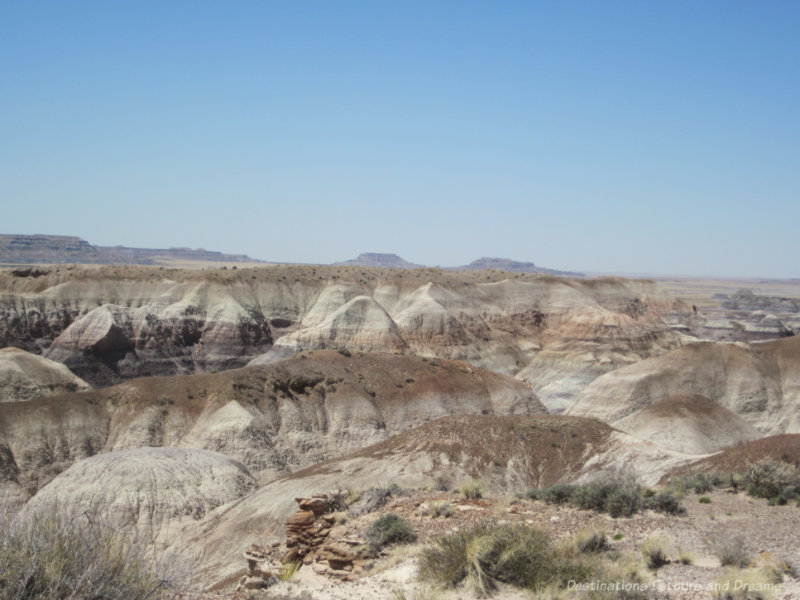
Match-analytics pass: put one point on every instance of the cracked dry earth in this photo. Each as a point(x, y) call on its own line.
point(770, 534)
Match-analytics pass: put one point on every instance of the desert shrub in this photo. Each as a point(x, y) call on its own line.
point(486, 554)
point(442, 483)
point(654, 550)
point(389, 529)
point(623, 502)
point(732, 550)
point(699, 483)
point(617, 494)
point(770, 479)
point(368, 501)
point(471, 489)
point(704, 500)
point(665, 502)
point(441, 509)
point(559, 493)
point(48, 556)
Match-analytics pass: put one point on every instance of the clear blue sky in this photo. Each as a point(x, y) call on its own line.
point(640, 136)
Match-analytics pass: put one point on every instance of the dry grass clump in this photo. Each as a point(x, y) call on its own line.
point(748, 584)
point(655, 552)
point(486, 554)
point(732, 550)
point(418, 593)
point(441, 508)
point(472, 489)
point(591, 542)
point(46, 556)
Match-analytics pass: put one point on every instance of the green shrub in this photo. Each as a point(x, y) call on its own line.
point(49, 557)
point(771, 478)
point(665, 502)
point(389, 529)
point(486, 554)
point(559, 493)
point(623, 502)
point(617, 494)
point(704, 500)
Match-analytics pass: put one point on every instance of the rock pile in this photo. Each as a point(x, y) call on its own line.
point(260, 572)
point(308, 540)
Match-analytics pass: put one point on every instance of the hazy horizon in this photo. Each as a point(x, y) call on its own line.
point(601, 137)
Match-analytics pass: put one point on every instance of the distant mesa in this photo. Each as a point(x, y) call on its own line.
point(513, 266)
point(59, 249)
point(393, 261)
point(377, 259)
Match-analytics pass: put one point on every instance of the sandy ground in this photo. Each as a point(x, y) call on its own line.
point(770, 534)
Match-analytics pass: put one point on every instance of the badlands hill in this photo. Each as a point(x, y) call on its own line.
point(156, 490)
point(507, 453)
point(112, 323)
point(753, 384)
point(690, 424)
point(24, 376)
point(275, 419)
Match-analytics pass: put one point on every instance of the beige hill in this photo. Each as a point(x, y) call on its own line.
point(760, 382)
point(688, 424)
point(275, 418)
point(112, 323)
point(24, 376)
point(510, 453)
point(155, 490)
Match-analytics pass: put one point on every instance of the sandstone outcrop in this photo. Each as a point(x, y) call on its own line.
point(274, 418)
point(758, 382)
point(24, 376)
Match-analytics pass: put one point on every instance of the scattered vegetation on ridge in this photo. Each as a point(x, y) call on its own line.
point(775, 480)
point(619, 495)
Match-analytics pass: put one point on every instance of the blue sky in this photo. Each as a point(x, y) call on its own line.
point(633, 137)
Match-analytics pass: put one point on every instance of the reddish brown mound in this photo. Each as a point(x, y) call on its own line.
point(541, 449)
point(784, 447)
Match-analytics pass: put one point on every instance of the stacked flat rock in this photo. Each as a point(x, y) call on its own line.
point(260, 573)
point(308, 528)
point(307, 534)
